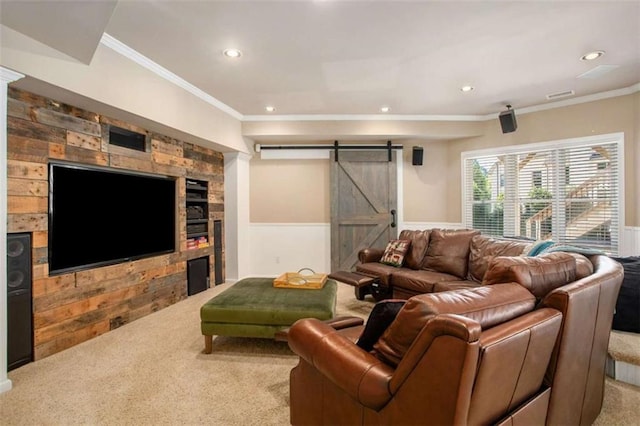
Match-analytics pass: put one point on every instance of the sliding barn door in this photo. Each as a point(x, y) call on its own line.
point(363, 204)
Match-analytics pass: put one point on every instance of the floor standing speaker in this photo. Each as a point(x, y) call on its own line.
point(19, 312)
point(217, 251)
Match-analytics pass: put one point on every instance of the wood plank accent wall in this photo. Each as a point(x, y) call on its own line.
point(71, 308)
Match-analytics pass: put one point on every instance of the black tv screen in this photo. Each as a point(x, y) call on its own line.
point(100, 216)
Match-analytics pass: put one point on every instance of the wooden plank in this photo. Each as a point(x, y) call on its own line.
point(19, 109)
point(64, 121)
point(50, 285)
point(40, 256)
point(128, 152)
point(173, 148)
point(57, 151)
point(31, 130)
point(26, 149)
point(128, 163)
point(27, 222)
point(172, 160)
point(84, 141)
point(40, 239)
point(26, 170)
point(70, 339)
point(52, 322)
point(122, 124)
point(216, 197)
point(86, 156)
point(27, 187)
point(40, 271)
point(122, 269)
point(37, 101)
point(18, 204)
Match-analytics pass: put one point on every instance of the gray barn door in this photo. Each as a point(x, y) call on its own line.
point(363, 204)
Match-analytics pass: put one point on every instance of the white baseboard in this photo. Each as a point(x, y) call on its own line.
point(5, 385)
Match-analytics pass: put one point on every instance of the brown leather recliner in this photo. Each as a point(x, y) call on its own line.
point(495, 354)
point(432, 365)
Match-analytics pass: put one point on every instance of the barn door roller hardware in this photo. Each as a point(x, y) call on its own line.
point(336, 147)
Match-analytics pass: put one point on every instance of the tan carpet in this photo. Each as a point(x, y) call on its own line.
point(152, 371)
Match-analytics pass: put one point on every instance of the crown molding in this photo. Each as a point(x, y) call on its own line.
point(7, 75)
point(147, 63)
point(363, 117)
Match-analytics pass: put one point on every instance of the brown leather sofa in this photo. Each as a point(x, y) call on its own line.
point(442, 260)
point(529, 347)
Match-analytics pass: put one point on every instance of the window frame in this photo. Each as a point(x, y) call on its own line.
point(555, 145)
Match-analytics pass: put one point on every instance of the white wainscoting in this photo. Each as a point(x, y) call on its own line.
point(288, 247)
point(630, 241)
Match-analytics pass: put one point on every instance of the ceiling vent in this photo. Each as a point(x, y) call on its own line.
point(559, 95)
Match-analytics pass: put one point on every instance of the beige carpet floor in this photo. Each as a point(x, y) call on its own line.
point(152, 371)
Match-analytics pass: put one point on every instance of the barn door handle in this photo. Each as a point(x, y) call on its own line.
point(393, 220)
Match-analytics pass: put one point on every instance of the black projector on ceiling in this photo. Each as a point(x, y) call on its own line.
point(508, 120)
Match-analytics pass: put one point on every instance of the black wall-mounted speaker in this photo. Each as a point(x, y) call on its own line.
point(508, 121)
point(416, 160)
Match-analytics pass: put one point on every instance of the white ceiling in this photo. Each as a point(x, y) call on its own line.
point(351, 57)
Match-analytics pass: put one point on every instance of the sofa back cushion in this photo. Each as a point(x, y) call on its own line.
point(483, 249)
point(488, 306)
point(419, 243)
point(539, 275)
point(448, 251)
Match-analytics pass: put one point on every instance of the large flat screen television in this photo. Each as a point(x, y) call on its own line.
point(100, 216)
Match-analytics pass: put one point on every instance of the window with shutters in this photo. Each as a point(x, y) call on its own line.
point(566, 191)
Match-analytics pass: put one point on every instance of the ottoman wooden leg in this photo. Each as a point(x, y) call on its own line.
point(208, 344)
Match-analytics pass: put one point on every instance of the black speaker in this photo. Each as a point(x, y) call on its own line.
point(508, 121)
point(417, 156)
point(19, 302)
point(197, 275)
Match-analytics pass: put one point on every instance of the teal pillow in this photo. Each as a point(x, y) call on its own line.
point(539, 247)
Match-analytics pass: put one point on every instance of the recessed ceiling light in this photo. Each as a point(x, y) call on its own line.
point(232, 53)
point(270, 108)
point(466, 88)
point(592, 55)
point(385, 109)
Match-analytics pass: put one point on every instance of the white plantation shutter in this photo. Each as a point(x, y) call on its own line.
point(567, 192)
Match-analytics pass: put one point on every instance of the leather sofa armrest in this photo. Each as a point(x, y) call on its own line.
point(361, 375)
point(370, 254)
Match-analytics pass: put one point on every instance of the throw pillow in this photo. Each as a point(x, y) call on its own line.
point(539, 275)
point(395, 252)
point(382, 314)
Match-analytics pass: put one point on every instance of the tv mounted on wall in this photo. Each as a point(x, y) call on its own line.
point(101, 216)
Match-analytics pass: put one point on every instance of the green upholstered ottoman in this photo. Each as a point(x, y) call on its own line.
point(252, 307)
